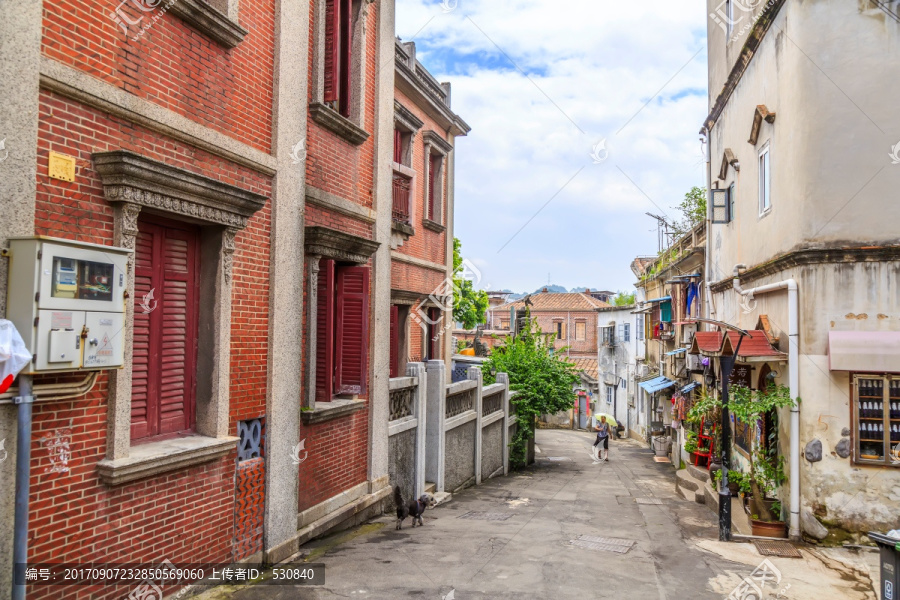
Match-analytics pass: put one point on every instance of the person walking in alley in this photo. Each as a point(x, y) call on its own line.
point(602, 443)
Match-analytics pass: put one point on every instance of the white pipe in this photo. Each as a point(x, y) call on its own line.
point(793, 379)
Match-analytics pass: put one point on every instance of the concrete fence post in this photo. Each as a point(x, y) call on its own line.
point(436, 393)
point(475, 375)
point(417, 370)
point(504, 379)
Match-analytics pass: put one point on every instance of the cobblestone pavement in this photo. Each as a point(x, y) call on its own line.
point(566, 527)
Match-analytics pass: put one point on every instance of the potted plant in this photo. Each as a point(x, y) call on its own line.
point(706, 411)
point(766, 472)
point(738, 483)
point(690, 442)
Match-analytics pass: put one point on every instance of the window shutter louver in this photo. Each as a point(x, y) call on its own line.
point(352, 324)
point(142, 413)
point(395, 341)
point(165, 338)
point(178, 339)
point(332, 49)
point(398, 146)
point(431, 188)
point(325, 331)
point(346, 47)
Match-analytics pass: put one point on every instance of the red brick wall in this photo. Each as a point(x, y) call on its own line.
point(186, 516)
point(546, 321)
point(338, 449)
point(173, 65)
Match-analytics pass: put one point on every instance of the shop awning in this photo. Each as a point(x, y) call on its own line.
point(657, 384)
point(676, 351)
point(663, 299)
point(864, 351)
point(689, 387)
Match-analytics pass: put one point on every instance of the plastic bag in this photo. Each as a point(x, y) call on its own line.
point(14, 356)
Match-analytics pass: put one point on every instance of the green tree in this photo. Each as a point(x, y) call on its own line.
point(543, 380)
point(469, 304)
point(623, 299)
point(692, 209)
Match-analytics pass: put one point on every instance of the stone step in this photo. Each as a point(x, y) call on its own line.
point(688, 487)
point(698, 473)
point(430, 487)
point(442, 498)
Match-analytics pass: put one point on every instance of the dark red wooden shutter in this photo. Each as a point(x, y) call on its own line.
point(433, 184)
point(325, 331)
point(178, 332)
point(332, 49)
point(143, 413)
point(398, 146)
point(434, 316)
point(395, 341)
point(352, 325)
point(346, 48)
point(165, 338)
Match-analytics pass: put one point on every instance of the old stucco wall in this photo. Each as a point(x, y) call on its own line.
point(402, 464)
point(459, 457)
point(491, 449)
point(833, 297)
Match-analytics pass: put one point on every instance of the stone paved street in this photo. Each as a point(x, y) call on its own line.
point(529, 555)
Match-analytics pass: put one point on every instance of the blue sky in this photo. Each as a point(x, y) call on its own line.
point(540, 89)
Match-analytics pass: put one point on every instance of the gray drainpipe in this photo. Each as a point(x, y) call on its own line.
point(23, 485)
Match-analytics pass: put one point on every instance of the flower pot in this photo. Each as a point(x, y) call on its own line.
point(772, 529)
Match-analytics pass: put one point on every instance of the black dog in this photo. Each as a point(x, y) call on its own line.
point(414, 509)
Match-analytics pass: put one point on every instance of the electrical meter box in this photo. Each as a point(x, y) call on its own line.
point(67, 299)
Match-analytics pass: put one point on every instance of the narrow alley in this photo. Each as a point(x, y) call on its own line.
point(536, 534)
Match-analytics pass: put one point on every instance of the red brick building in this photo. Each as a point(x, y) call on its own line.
point(425, 129)
point(254, 192)
point(572, 317)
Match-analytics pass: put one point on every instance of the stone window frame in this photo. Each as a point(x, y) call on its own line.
point(322, 242)
point(406, 121)
point(435, 145)
point(583, 337)
point(134, 184)
point(209, 19)
point(351, 129)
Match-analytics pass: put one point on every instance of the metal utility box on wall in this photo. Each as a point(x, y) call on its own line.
point(67, 299)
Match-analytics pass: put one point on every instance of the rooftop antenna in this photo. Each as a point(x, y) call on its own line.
point(662, 231)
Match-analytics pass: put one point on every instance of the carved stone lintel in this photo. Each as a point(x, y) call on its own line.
point(339, 245)
point(228, 246)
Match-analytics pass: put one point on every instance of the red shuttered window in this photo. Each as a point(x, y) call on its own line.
point(395, 341)
point(165, 330)
point(398, 146)
point(325, 332)
point(351, 356)
point(342, 330)
point(338, 49)
point(434, 186)
point(432, 344)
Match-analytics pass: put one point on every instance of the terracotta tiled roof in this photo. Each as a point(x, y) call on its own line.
point(715, 343)
point(549, 301)
point(587, 365)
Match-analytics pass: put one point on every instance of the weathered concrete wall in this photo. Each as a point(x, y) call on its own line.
point(491, 449)
point(833, 297)
point(402, 464)
point(460, 457)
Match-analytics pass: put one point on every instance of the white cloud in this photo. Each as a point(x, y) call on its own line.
point(591, 67)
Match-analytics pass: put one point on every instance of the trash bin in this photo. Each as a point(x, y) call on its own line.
point(890, 565)
point(662, 445)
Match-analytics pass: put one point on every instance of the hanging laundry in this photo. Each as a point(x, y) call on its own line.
point(692, 292)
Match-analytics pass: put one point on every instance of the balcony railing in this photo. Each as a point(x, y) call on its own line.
point(402, 185)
